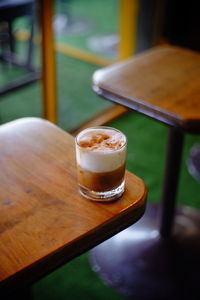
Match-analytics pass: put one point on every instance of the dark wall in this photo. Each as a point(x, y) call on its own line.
point(182, 23)
point(150, 21)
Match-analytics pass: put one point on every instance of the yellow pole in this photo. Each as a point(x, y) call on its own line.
point(48, 61)
point(128, 18)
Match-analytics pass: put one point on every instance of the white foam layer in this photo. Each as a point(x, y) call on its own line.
point(100, 161)
point(101, 149)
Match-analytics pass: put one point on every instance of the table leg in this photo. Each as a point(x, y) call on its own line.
point(48, 61)
point(128, 19)
point(171, 179)
point(146, 262)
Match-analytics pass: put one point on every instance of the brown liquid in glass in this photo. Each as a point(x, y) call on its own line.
point(101, 182)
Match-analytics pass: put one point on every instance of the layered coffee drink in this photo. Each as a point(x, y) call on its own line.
point(101, 158)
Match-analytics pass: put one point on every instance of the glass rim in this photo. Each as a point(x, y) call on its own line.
point(101, 127)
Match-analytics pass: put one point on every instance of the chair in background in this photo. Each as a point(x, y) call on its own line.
point(9, 11)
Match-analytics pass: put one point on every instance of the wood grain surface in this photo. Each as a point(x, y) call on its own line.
point(44, 222)
point(163, 83)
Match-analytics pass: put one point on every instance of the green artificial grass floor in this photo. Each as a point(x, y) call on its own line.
point(81, 21)
point(99, 18)
point(76, 100)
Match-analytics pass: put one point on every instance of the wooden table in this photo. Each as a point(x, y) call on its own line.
point(44, 222)
point(162, 83)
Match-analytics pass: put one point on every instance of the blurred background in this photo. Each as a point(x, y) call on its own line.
point(88, 35)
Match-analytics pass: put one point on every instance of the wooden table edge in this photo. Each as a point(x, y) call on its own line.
point(189, 126)
point(42, 267)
